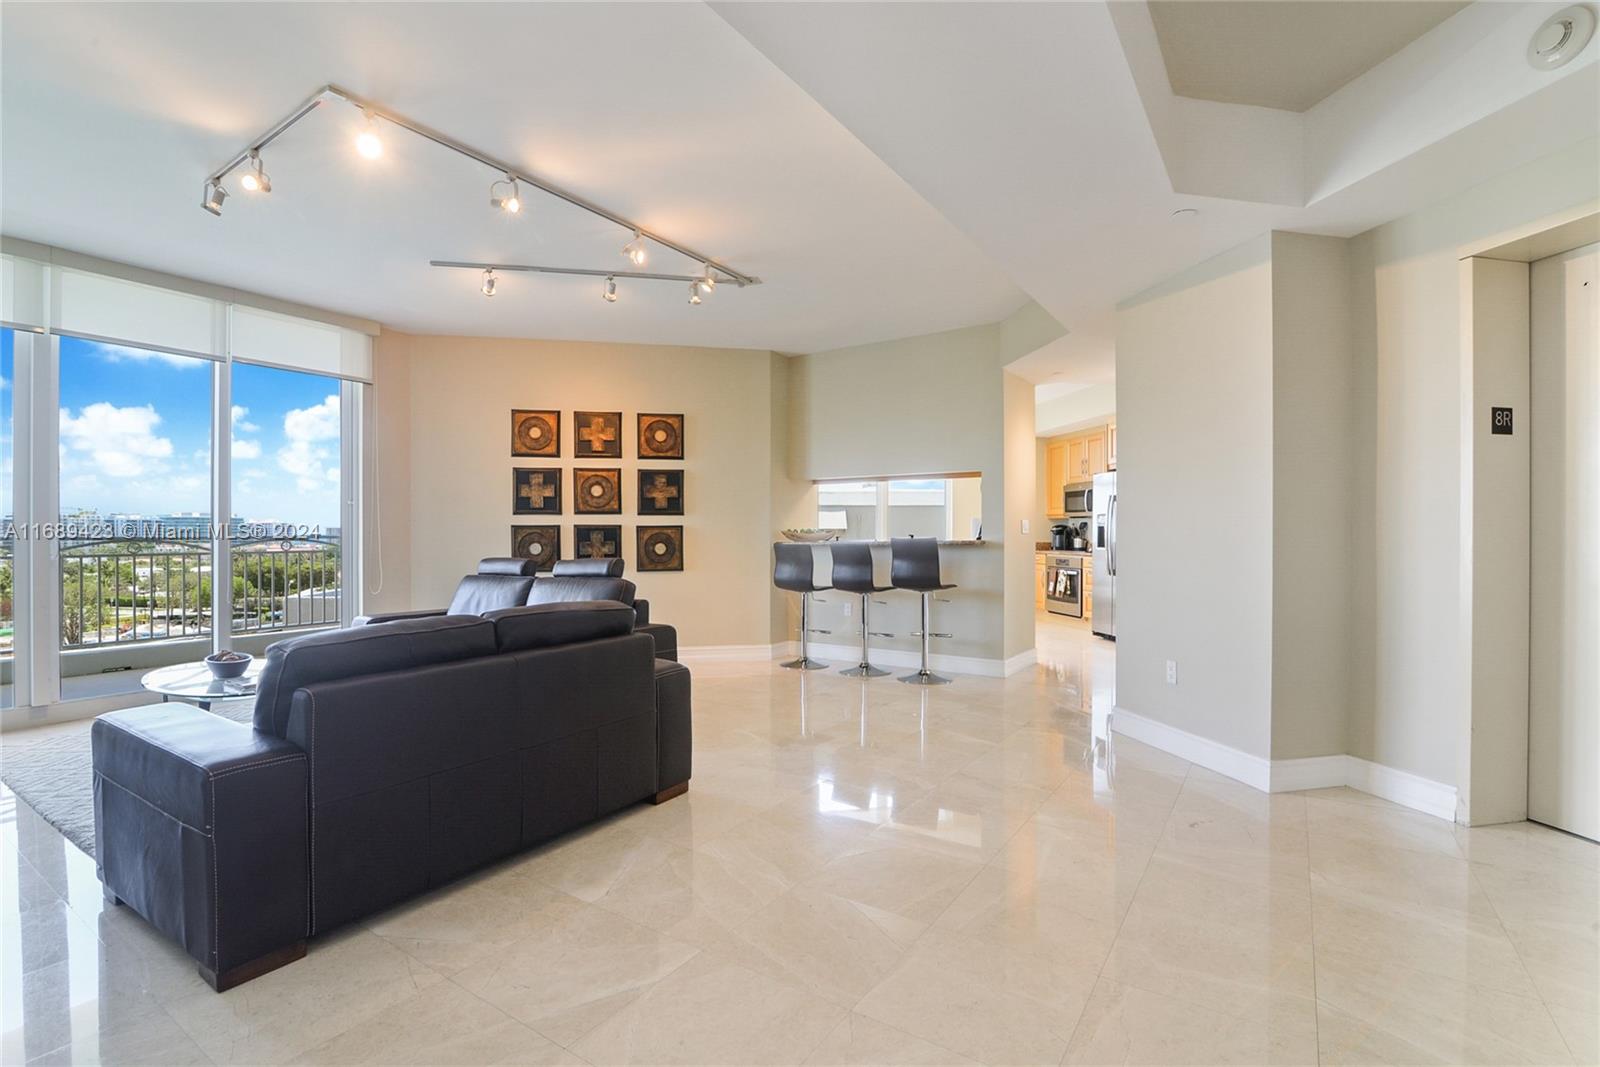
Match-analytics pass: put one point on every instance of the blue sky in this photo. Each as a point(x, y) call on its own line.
point(136, 435)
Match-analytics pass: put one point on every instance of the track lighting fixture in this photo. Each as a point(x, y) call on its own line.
point(368, 143)
point(635, 250)
point(505, 194)
point(215, 195)
point(511, 202)
point(256, 180)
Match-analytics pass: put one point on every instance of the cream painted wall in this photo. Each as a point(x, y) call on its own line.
point(1021, 487)
point(924, 405)
point(1195, 473)
point(386, 559)
point(1419, 622)
point(1314, 472)
point(1326, 391)
point(461, 392)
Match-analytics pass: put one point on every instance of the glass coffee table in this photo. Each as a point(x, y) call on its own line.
point(194, 683)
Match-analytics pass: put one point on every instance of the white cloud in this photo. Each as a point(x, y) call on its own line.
point(123, 353)
point(121, 442)
point(240, 422)
point(246, 449)
point(320, 422)
point(303, 456)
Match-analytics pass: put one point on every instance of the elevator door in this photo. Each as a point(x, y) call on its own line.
point(1564, 661)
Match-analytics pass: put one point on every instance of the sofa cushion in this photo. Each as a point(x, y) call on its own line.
point(373, 649)
point(603, 567)
point(508, 565)
point(479, 593)
point(558, 590)
point(566, 623)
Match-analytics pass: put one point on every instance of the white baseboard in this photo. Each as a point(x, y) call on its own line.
point(753, 653)
point(1290, 775)
point(1313, 772)
point(1241, 766)
point(1402, 787)
point(849, 655)
point(1021, 661)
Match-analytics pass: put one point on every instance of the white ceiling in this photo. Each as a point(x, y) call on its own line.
point(1038, 129)
point(1287, 54)
point(113, 115)
point(889, 169)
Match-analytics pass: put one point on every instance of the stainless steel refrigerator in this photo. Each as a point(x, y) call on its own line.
point(1103, 600)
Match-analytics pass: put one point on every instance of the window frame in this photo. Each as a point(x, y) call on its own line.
point(36, 436)
point(880, 525)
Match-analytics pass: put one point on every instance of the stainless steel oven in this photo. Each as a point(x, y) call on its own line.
point(1063, 585)
point(1078, 499)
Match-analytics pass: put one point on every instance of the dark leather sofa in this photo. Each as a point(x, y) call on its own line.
point(383, 760)
point(504, 582)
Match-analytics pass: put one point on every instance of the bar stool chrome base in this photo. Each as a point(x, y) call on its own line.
point(924, 676)
point(805, 662)
point(864, 670)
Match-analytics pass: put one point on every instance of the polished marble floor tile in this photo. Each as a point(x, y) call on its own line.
point(1129, 1025)
point(867, 873)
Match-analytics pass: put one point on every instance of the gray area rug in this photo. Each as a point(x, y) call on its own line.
point(55, 776)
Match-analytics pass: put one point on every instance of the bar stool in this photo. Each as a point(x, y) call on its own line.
point(794, 568)
point(914, 565)
point(852, 573)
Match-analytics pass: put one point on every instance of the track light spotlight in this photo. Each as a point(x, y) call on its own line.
point(634, 250)
point(489, 281)
point(706, 283)
point(610, 293)
point(368, 143)
point(215, 195)
point(256, 180)
point(511, 203)
point(694, 292)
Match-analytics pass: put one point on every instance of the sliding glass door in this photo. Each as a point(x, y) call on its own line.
point(287, 473)
point(135, 544)
point(178, 473)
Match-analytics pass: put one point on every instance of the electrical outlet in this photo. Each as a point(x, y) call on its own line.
point(847, 607)
point(1172, 672)
point(1026, 526)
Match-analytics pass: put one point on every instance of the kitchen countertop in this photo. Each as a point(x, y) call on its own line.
point(957, 542)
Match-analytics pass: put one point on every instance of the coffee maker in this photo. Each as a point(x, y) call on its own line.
point(1069, 536)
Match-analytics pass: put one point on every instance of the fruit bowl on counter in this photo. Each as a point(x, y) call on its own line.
point(811, 536)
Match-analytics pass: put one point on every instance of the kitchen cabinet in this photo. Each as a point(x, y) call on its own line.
point(1038, 582)
point(1055, 467)
point(1074, 458)
point(1077, 459)
point(1096, 445)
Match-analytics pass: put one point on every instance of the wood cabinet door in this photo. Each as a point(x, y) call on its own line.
point(1077, 459)
point(1055, 476)
point(1097, 454)
point(1111, 447)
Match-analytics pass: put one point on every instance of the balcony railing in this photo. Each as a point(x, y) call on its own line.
point(119, 592)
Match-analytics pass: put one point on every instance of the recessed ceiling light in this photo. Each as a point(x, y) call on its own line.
point(1562, 36)
point(1185, 212)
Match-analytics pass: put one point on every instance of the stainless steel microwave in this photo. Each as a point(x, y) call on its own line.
point(1079, 499)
